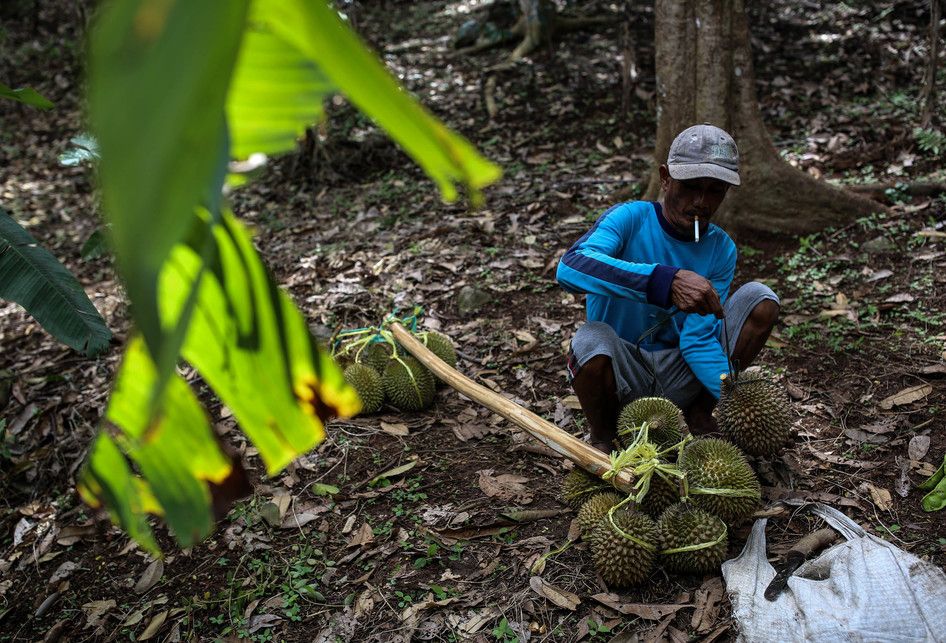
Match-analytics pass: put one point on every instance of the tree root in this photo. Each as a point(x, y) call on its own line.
point(532, 36)
point(878, 191)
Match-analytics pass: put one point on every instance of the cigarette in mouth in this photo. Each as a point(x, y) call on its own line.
point(696, 228)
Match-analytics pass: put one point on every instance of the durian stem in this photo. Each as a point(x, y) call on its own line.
point(581, 453)
point(623, 534)
point(539, 564)
point(729, 493)
point(698, 546)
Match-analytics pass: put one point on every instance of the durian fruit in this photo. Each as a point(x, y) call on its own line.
point(664, 421)
point(684, 525)
point(595, 507)
point(441, 346)
point(620, 561)
point(753, 413)
point(366, 381)
point(376, 355)
point(714, 464)
point(661, 494)
point(409, 385)
point(579, 485)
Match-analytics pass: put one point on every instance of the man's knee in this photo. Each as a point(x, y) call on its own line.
point(596, 368)
point(764, 315)
point(592, 336)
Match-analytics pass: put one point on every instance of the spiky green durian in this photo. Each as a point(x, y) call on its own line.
point(753, 413)
point(441, 346)
point(366, 381)
point(684, 525)
point(579, 485)
point(661, 494)
point(621, 561)
point(664, 421)
point(720, 479)
point(595, 507)
point(408, 384)
point(376, 355)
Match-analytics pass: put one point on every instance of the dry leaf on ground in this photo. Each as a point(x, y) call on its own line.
point(558, 596)
point(95, 611)
point(154, 625)
point(150, 577)
point(395, 428)
point(919, 446)
point(363, 536)
point(879, 496)
point(642, 610)
point(906, 396)
point(707, 600)
point(507, 487)
point(899, 298)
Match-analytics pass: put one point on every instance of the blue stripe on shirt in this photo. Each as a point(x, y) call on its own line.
point(598, 269)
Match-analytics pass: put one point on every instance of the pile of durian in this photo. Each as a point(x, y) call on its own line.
point(381, 370)
point(688, 492)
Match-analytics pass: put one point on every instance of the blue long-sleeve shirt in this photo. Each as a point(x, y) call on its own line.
point(625, 265)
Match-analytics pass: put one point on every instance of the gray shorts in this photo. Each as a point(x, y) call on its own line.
point(641, 373)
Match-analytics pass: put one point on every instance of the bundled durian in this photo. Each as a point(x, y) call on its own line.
point(579, 485)
point(753, 413)
point(692, 541)
point(624, 559)
point(661, 494)
point(595, 507)
point(408, 384)
point(441, 346)
point(719, 479)
point(663, 417)
point(366, 381)
point(376, 355)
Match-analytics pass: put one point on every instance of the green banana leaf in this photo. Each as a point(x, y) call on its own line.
point(936, 485)
point(245, 331)
point(176, 89)
point(34, 278)
point(26, 95)
point(177, 454)
point(276, 92)
point(254, 348)
point(158, 77)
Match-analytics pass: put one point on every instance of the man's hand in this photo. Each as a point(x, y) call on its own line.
point(693, 293)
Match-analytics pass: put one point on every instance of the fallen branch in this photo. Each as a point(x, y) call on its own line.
point(562, 442)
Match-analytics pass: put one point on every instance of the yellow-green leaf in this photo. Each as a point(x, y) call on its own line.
point(275, 93)
point(176, 452)
point(253, 346)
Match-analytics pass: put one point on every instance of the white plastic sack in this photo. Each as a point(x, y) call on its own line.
point(864, 589)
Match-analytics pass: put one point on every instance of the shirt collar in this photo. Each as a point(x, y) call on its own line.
point(669, 229)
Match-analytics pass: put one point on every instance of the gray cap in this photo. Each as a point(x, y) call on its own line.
point(704, 151)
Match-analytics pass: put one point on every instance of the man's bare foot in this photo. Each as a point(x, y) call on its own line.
point(699, 415)
point(604, 447)
point(701, 423)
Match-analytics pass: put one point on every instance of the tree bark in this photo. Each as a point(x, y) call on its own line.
point(928, 94)
point(704, 74)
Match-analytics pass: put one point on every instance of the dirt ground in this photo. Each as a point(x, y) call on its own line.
point(426, 526)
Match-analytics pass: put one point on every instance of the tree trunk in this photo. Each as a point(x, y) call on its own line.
point(704, 74)
point(928, 94)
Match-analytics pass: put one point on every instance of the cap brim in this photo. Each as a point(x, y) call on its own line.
point(683, 172)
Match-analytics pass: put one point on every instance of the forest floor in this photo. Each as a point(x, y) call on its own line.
point(338, 547)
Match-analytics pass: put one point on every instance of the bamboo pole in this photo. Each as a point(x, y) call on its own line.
point(562, 442)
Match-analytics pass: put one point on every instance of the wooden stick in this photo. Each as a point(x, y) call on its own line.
point(562, 442)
